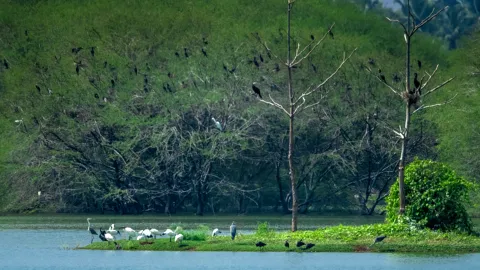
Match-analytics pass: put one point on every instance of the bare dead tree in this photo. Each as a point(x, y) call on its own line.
point(299, 104)
point(412, 94)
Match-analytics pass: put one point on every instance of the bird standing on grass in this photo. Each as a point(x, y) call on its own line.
point(178, 238)
point(260, 244)
point(379, 239)
point(233, 230)
point(309, 246)
point(216, 231)
point(300, 243)
point(218, 125)
point(130, 232)
point(91, 230)
point(171, 233)
point(287, 245)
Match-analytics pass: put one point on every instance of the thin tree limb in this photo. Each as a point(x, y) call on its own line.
point(275, 104)
point(423, 107)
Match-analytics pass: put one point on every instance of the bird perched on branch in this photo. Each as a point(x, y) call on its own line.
point(419, 64)
point(416, 82)
point(382, 77)
point(330, 32)
point(256, 90)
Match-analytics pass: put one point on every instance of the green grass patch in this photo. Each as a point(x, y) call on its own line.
point(400, 238)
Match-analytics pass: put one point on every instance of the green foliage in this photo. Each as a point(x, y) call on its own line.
point(435, 197)
point(263, 230)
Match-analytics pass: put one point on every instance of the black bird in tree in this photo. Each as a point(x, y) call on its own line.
point(38, 88)
point(260, 244)
point(277, 68)
point(177, 54)
point(256, 90)
point(287, 245)
point(233, 69)
point(415, 81)
point(135, 69)
point(396, 78)
point(96, 96)
point(309, 246)
point(105, 64)
point(300, 243)
point(379, 239)
point(225, 67)
point(419, 64)
point(330, 32)
point(77, 69)
point(92, 51)
point(205, 41)
point(145, 79)
point(382, 77)
point(185, 50)
point(256, 62)
point(371, 61)
point(312, 37)
point(5, 63)
point(112, 81)
point(76, 50)
point(314, 68)
point(261, 58)
point(204, 52)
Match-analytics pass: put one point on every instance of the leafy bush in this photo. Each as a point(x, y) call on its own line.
point(264, 230)
point(434, 195)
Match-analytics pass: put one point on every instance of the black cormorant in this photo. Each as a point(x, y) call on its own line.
point(419, 64)
point(96, 96)
point(260, 244)
point(112, 81)
point(371, 61)
point(261, 58)
point(256, 90)
point(300, 243)
point(309, 245)
point(415, 81)
point(382, 77)
point(287, 245)
point(135, 69)
point(185, 50)
point(331, 34)
point(314, 68)
point(177, 54)
point(92, 51)
point(5, 63)
point(204, 52)
point(312, 37)
point(38, 88)
point(256, 62)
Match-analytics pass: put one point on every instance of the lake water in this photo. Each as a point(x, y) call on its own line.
point(51, 249)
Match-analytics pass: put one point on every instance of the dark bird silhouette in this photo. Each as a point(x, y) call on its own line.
point(256, 90)
point(309, 246)
point(91, 80)
point(170, 75)
point(92, 51)
point(225, 67)
point(112, 81)
point(382, 77)
point(76, 50)
point(277, 68)
point(145, 89)
point(331, 34)
point(145, 79)
point(5, 63)
point(379, 239)
point(177, 54)
point(260, 244)
point(38, 88)
point(233, 69)
point(185, 50)
point(204, 52)
point(102, 235)
point(314, 68)
point(169, 88)
point(261, 58)
point(96, 96)
point(269, 55)
point(105, 64)
point(26, 32)
point(205, 41)
point(396, 78)
point(371, 61)
point(419, 64)
point(117, 246)
point(256, 62)
point(135, 69)
point(287, 245)
point(312, 37)
point(415, 81)
point(300, 243)
point(77, 69)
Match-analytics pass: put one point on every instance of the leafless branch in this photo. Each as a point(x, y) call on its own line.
point(396, 91)
point(434, 105)
point(397, 21)
point(275, 104)
point(345, 59)
point(437, 87)
point(295, 62)
point(426, 20)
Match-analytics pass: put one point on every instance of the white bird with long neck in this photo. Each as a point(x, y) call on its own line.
point(171, 233)
point(178, 238)
point(112, 230)
point(130, 232)
point(218, 125)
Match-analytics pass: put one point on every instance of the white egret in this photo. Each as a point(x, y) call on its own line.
point(178, 238)
point(216, 232)
point(217, 124)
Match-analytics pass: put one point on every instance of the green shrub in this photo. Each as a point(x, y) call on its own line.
point(264, 230)
point(434, 195)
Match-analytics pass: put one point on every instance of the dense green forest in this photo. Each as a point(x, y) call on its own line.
point(147, 106)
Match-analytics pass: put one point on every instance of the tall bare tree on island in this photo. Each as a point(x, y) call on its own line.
point(412, 94)
point(298, 104)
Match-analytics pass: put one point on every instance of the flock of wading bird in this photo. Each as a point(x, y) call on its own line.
point(111, 233)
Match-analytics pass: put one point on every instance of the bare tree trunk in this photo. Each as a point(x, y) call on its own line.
point(290, 134)
point(280, 189)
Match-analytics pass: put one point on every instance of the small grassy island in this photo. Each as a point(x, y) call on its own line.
point(400, 238)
